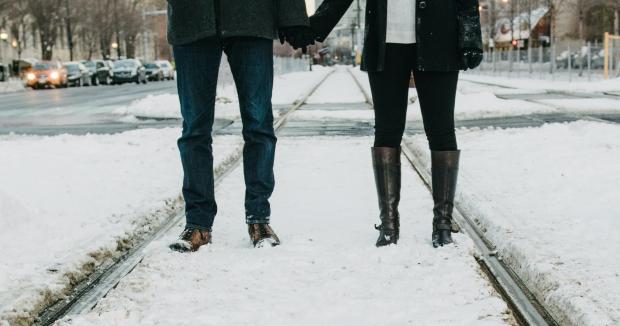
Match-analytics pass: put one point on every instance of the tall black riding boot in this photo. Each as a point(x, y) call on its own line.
point(386, 164)
point(445, 169)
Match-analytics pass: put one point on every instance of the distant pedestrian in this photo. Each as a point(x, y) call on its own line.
point(434, 39)
point(200, 31)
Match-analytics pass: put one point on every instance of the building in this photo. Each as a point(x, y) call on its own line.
point(348, 36)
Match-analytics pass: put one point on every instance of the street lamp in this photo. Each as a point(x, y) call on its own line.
point(4, 36)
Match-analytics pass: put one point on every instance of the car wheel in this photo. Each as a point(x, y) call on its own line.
point(96, 81)
point(144, 81)
point(108, 80)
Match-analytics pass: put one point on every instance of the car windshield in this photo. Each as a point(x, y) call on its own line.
point(72, 68)
point(150, 66)
point(42, 66)
point(124, 64)
point(89, 64)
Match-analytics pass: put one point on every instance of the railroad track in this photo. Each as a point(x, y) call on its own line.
point(89, 292)
point(524, 305)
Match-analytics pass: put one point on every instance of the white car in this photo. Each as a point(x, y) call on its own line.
point(167, 68)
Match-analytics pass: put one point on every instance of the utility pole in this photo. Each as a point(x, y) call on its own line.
point(69, 32)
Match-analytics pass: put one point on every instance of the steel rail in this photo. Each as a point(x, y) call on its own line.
point(524, 305)
point(89, 292)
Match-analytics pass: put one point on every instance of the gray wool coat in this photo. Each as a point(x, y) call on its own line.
point(192, 20)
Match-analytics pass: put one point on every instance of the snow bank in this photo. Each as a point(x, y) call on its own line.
point(12, 86)
point(548, 199)
point(327, 272)
point(70, 203)
point(611, 85)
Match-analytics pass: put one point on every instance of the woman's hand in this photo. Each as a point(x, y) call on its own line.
point(470, 38)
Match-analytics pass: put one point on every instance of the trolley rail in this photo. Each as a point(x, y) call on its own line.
point(524, 305)
point(87, 293)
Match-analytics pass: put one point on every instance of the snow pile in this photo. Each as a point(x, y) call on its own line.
point(611, 85)
point(327, 271)
point(288, 88)
point(548, 199)
point(11, 86)
point(70, 203)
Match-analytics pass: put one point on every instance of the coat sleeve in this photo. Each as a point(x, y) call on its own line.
point(292, 13)
point(327, 17)
point(470, 31)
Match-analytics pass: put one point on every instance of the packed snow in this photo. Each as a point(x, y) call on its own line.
point(327, 271)
point(610, 85)
point(338, 88)
point(69, 203)
point(11, 86)
point(548, 199)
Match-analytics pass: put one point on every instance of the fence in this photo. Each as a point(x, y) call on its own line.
point(585, 63)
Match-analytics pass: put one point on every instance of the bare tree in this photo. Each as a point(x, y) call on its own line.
point(46, 16)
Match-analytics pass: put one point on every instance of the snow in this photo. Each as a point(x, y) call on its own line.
point(288, 88)
point(327, 271)
point(11, 86)
point(69, 203)
point(549, 202)
point(338, 88)
point(611, 85)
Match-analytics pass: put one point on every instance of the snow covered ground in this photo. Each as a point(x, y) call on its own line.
point(69, 203)
point(548, 198)
point(327, 272)
point(13, 85)
point(611, 85)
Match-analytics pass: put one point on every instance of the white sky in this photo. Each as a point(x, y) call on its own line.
point(310, 6)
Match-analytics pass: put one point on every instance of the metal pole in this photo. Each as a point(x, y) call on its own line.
point(570, 65)
point(589, 61)
point(606, 63)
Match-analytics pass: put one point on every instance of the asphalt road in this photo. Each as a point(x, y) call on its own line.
point(77, 110)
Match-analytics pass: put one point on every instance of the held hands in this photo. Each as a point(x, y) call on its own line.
point(299, 37)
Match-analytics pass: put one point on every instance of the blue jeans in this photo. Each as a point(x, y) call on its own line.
point(251, 62)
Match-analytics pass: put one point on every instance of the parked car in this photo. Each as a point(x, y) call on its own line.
point(129, 70)
point(154, 71)
point(561, 61)
point(47, 73)
point(101, 71)
point(77, 74)
point(598, 59)
point(167, 68)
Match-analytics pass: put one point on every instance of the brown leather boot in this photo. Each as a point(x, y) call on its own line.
point(262, 234)
point(191, 239)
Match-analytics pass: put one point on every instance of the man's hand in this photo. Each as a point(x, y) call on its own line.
point(299, 37)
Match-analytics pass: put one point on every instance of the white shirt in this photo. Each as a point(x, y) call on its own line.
point(400, 21)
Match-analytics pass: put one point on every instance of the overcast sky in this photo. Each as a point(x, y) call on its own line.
point(310, 5)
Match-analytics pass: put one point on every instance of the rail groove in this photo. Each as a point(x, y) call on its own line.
point(87, 293)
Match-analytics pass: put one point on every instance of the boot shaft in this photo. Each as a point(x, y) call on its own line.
point(445, 168)
point(387, 170)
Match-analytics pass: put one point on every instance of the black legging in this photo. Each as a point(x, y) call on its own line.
point(436, 93)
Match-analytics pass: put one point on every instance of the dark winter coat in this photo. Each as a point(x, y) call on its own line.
point(442, 27)
point(191, 20)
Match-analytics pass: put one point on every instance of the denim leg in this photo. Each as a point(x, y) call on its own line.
point(251, 62)
point(197, 72)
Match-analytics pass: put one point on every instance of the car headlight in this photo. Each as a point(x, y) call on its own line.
point(54, 75)
point(31, 76)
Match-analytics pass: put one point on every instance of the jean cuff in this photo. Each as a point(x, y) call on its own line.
point(198, 227)
point(251, 219)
